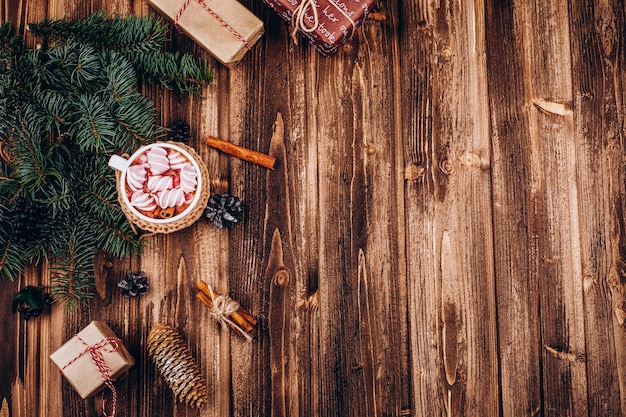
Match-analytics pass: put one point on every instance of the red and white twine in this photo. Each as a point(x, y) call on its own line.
point(299, 18)
point(216, 16)
point(95, 352)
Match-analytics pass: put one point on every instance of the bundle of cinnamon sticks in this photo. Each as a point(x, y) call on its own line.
point(244, 320)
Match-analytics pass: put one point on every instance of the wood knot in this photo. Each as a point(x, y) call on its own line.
point(446, 166)
point(446, 53)
point(281, 277)
point(413, 172)
point(370, 150)
point(558, 108)
point(578, 356)
point(470, 159)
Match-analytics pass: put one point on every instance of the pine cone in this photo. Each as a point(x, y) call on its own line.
point(223, 210)
point(179, 131)
point(28, 217)
point(168, 351)
point(134, 284)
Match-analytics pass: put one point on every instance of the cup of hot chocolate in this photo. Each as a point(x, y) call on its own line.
point(160, 183)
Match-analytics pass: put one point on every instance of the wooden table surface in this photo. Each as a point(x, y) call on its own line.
point(443, 235)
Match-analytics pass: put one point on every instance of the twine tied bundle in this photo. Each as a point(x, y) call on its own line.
point(223, 308)
point(226, 311)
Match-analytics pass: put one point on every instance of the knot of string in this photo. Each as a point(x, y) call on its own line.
point(299, 18)
point(223, 307)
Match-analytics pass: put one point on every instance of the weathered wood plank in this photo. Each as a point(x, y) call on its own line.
point(553, 195)
point(598, 75)
point(289, 275)
point(517, 295)
point(448, 210)
point(416, 97)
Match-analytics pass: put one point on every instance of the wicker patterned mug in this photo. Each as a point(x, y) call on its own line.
point(160, 183)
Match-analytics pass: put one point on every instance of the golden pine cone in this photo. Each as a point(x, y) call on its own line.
point(172, 357)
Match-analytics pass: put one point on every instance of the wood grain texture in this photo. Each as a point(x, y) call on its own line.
point(516, 291)
point(599, 111)
point(442, 235)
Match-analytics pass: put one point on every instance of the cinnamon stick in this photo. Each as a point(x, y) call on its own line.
point(242, 153)
point(249, 318)
point(241, 322)
point(206, 295)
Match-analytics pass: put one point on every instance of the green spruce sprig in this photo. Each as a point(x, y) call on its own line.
point(65, 107)
point(140, 41)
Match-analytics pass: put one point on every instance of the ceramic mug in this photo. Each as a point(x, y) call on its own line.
point(160, 183)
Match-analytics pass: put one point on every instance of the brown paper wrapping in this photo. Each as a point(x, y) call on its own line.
point(82, 373)
point(207, 30)
point(337, 20)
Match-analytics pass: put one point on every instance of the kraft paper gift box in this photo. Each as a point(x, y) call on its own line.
point(327, 24)
point(225, 28)
point(77, 365)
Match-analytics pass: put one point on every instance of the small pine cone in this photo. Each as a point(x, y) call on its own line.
point(27, 219)
point(223, 210)
point(179, 131)
point(170, 354)
point(134, 284)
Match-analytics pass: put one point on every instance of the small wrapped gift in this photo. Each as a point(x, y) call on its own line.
point(93, 359)
point(225, 28)
point(327, 24)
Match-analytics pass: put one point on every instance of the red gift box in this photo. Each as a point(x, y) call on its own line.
point(327, 24)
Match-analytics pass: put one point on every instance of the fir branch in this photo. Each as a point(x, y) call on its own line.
point(86, 69)
point(182, 72)
point(97, 200)
point(46, 244)
point(9, 189)
point(121, 75)
point(59, 195)
point(72, 271)
point(11, 260)
point(57, 106)
point(116, 237)
point(94, 129)
point(130, 35)
point(136, 120)
point(64, 109)
point(138, 39)
point(28, 156)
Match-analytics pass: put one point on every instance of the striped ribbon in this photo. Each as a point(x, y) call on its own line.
point(216, 16)
point(95, 351)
